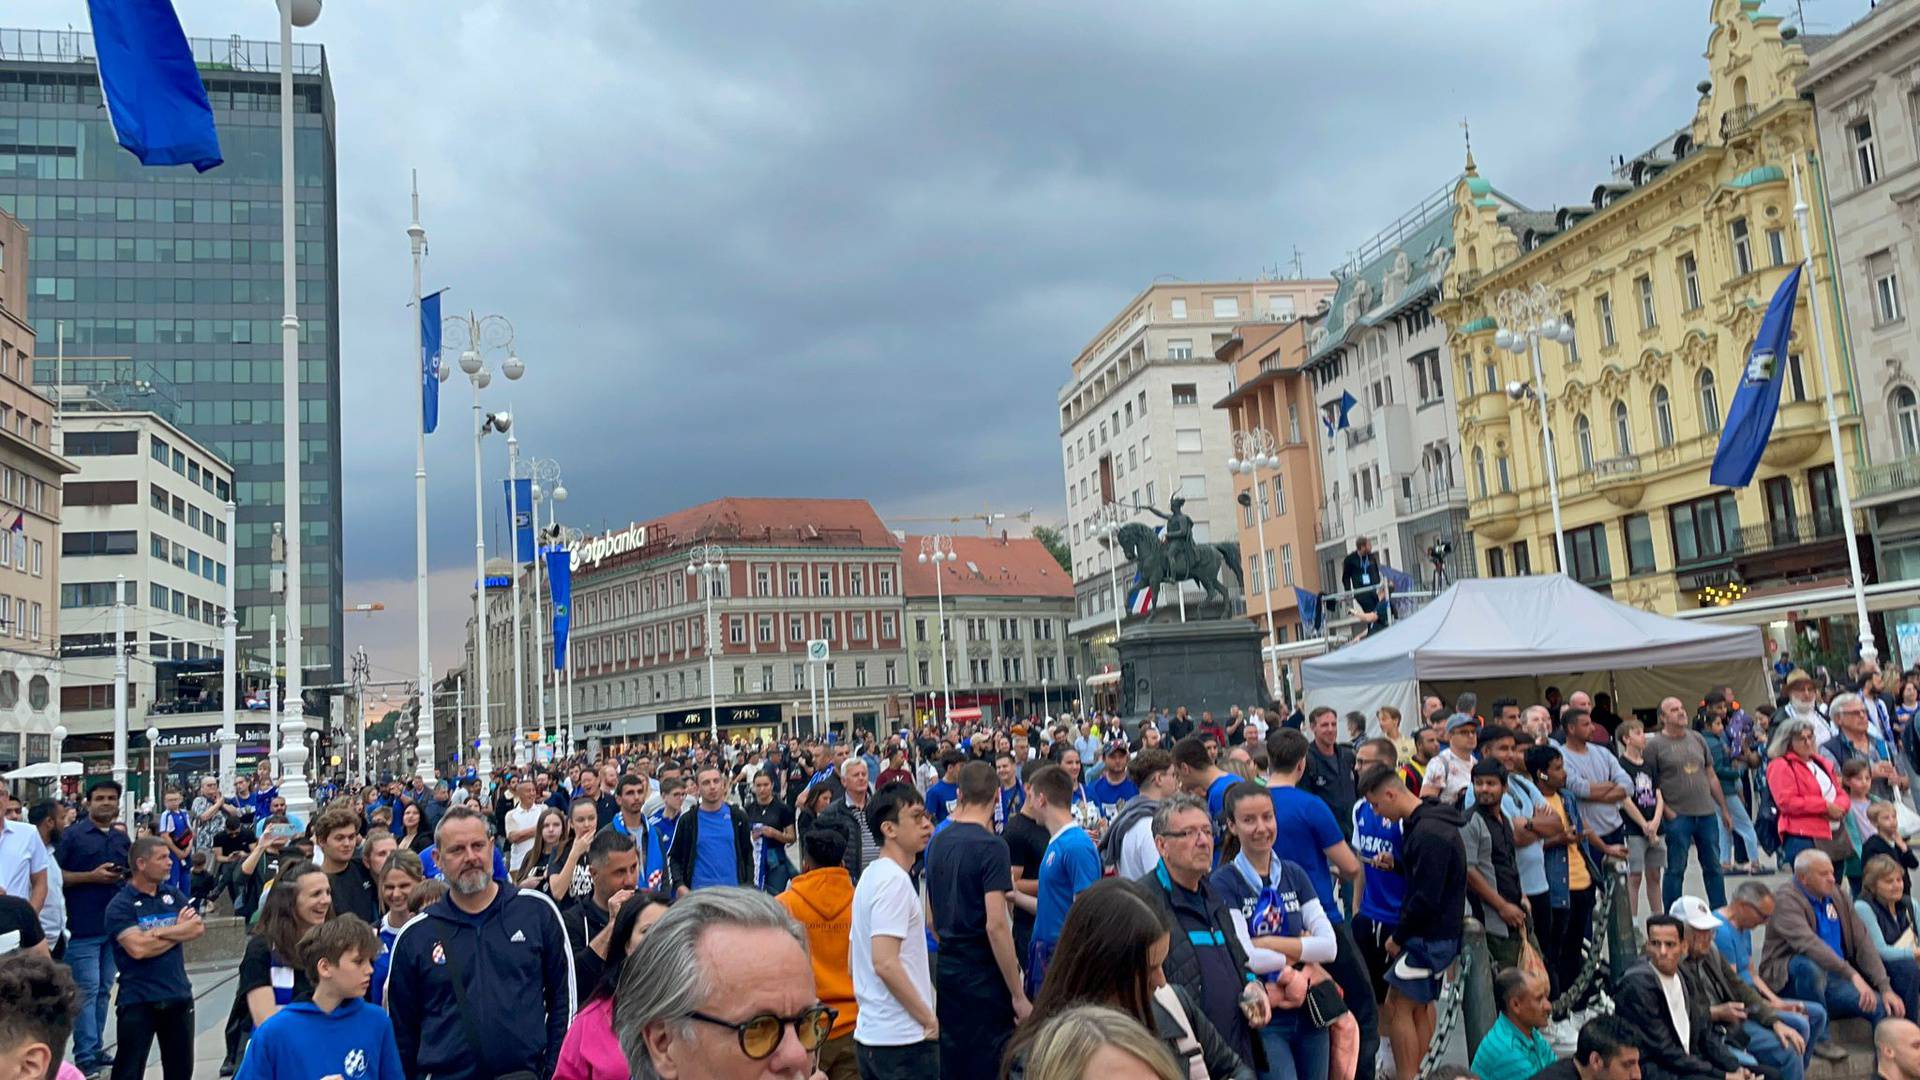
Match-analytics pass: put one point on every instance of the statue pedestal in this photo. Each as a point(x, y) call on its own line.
point(1206, 665)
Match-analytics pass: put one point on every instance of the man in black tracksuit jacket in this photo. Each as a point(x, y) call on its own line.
point(515, 972)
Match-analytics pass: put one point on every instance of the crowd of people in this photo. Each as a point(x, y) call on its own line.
point(1256, 895)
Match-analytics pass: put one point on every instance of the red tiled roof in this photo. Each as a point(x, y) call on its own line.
point(779, 523)
point(1014, 567)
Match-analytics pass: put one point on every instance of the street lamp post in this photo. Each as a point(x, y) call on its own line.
point(547, 488)
point(936, 550)
point(1254, 452)
point(293, 722)
point(521, 752)
point(482, 334)
point(417, 241)
point(229, 667)
point(1526, 316)
point(153, 774)
point(1107, 527)
point(707, 564)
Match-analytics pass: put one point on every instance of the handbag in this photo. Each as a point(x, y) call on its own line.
point(466, 1016)
point(1325, 1004)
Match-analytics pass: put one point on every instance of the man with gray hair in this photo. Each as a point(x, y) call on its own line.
point(1855, 739)
point(1695, 806)
point(721, 989)
point(1817, 949)
point(481, 983)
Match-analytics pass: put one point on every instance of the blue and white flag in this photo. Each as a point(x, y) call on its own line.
point(1347, 402)
point(519, 496)
point(155, 99)
point(1309, 604)
point(1750, 418)
point(430, 362)
point(560, 578)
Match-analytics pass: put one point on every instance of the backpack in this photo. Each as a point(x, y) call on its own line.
point(1130, 815)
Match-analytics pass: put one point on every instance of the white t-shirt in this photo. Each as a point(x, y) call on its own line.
point(885, 902)
point(1138, 855)
point(22, 855)
point(1677, 1007)
point(518, 819)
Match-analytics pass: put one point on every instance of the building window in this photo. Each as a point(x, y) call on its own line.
point(1177, 308)
point(1180, 348)
point(1662, 416)
point(1603, 307)
point(796, 628)
point(1796, 388)
point(1226, 307)
point(1649, 317)
point(1742, 248)
point(1906, 420)
point(1186, 394)
point(826, 581)
point(1522, 559)
point(1496, 562)
point(1866, 156)
point(857, 627)
point(1777, 246)
point(1709, 403)
point(1690, 281)
point(765, 630)
point(1501, 466)
point(1639, 532)
point(1480, 471)
point(1622, 429)
point(1587, 550)
point(1704, 529)
point(1286, 564)
point(1886, 288)
point(1583, 442)
point(1573, 341)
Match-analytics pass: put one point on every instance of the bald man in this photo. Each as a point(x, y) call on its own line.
point(1695, 807)
point(1896, 1050)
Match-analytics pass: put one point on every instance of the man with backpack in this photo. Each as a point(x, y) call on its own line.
point(1127, 848)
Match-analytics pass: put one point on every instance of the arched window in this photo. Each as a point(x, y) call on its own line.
point(1506, 473)
point(1583, 441)
point(1906, 420)
point(1622, 429)
point(1480, 471)
point(1709, 403)
point(1662, 416)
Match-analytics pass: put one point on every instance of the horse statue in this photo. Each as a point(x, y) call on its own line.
point(1147, 552)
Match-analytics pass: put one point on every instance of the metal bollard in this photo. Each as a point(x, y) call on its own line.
point(1477, 1009)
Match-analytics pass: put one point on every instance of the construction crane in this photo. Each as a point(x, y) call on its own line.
point(986, 517)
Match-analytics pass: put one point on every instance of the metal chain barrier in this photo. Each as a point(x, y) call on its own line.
point(1596, 950)
point(1447, 1017)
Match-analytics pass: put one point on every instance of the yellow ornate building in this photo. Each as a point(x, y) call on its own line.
point(1664, 275)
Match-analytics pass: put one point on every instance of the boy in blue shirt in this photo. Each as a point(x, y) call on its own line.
point(1111, 789)
point(943, 796)
point(1071, 864)
point(336, 1033)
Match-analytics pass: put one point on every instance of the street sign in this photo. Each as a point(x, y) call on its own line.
point(817, 650)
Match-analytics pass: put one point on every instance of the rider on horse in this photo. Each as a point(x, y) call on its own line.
point(1179, 539)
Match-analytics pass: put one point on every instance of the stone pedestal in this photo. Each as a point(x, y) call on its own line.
point(1207, 665)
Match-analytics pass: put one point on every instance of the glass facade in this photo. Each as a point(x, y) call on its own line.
point(175, 276)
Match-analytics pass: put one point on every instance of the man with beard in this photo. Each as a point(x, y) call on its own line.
point(481, 982)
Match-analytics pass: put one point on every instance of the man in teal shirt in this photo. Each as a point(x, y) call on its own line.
point(1515, 1047)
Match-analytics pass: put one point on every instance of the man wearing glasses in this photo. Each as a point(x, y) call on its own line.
point(721, 990)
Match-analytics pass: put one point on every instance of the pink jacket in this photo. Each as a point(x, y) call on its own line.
point(591, 1052)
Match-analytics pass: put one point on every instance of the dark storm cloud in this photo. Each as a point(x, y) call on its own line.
point(851, 248)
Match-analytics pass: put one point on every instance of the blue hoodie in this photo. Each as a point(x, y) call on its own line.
point(516, 970)
point(300, 1042)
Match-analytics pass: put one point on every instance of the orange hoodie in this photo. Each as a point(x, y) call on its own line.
point(822, 901)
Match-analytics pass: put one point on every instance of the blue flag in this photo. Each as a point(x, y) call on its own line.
point(430, 362)
point(1309, 607)
point(560, 578)
point(155, 99)
point(519, 496)
point(1347, 402)
point(1750, 418)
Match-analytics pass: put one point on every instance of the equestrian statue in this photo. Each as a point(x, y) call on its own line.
point(1176, 558)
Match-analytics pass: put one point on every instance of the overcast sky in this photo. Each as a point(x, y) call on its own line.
point(850, 248)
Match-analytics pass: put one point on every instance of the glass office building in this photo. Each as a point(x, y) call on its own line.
point(168, 276)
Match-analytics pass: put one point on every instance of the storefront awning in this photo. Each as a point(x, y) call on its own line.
point(1105, 678)
point(1812, 603)
point(963, 714)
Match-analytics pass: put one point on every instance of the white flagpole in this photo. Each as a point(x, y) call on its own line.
point(423, 748)
point(1840, 484)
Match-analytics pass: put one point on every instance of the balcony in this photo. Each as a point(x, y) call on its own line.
point(1886, 481)
point(1424, 500)
point(1737, 119)
point(1769, 538)
point(1359, 433)
point(1328, 531)
point(1495, 517)
point(1618, 480)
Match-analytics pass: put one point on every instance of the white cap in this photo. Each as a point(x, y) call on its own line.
point(1695, 913)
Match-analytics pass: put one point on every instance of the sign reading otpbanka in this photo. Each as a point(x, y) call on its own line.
point(591, 551)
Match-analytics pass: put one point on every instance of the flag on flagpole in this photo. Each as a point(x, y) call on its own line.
point(560, 579)
point(1140, 601)
point(18, 537)
point(1757, 401)
point(1326, 421)
point(1347, 402)
point(430, 362)
point(155, 99)
point(1309, 604)
point(519, 502)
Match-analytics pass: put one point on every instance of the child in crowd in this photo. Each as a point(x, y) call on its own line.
point(336, 1033)
point(1886, 840)
point(426, 894)
point(204, 884)
point(1857, 781)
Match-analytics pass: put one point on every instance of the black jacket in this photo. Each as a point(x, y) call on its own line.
point(1182, 966)
point(1641, 1006)
point(686, 841)
point(1356, 566)
point(583, 919)
point(838, 815)
point(1434, 861)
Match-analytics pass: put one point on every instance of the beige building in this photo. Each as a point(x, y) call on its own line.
point(30, 498)
point(1865, 86)
point(1007, 604)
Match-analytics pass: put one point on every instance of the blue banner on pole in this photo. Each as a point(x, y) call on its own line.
point(560, 580)
point(155, 99)
point(430, 362)
point(1755, 404)
point(1309, 604)
point(519, 496)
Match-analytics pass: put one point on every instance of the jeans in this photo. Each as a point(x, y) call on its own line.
point(1904, 976)
point(1743, 826)
point(91, 960)
point(914, 1061)
point(1769, 1052)
point(1350, 972)
point(1296, 1050)
point(1808, 981)
point(1812, 1025)
point(1563, 936)
point(1790, 849)
point(1701, 832)
point(172, 1022)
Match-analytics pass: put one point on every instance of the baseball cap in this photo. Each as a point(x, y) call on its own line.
point(1695, 913)
point(1459, 720)
point(1117, 746)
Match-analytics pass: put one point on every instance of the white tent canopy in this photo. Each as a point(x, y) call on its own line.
point(1515, 635)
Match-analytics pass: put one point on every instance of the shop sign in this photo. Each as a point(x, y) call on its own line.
point(730, 716)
